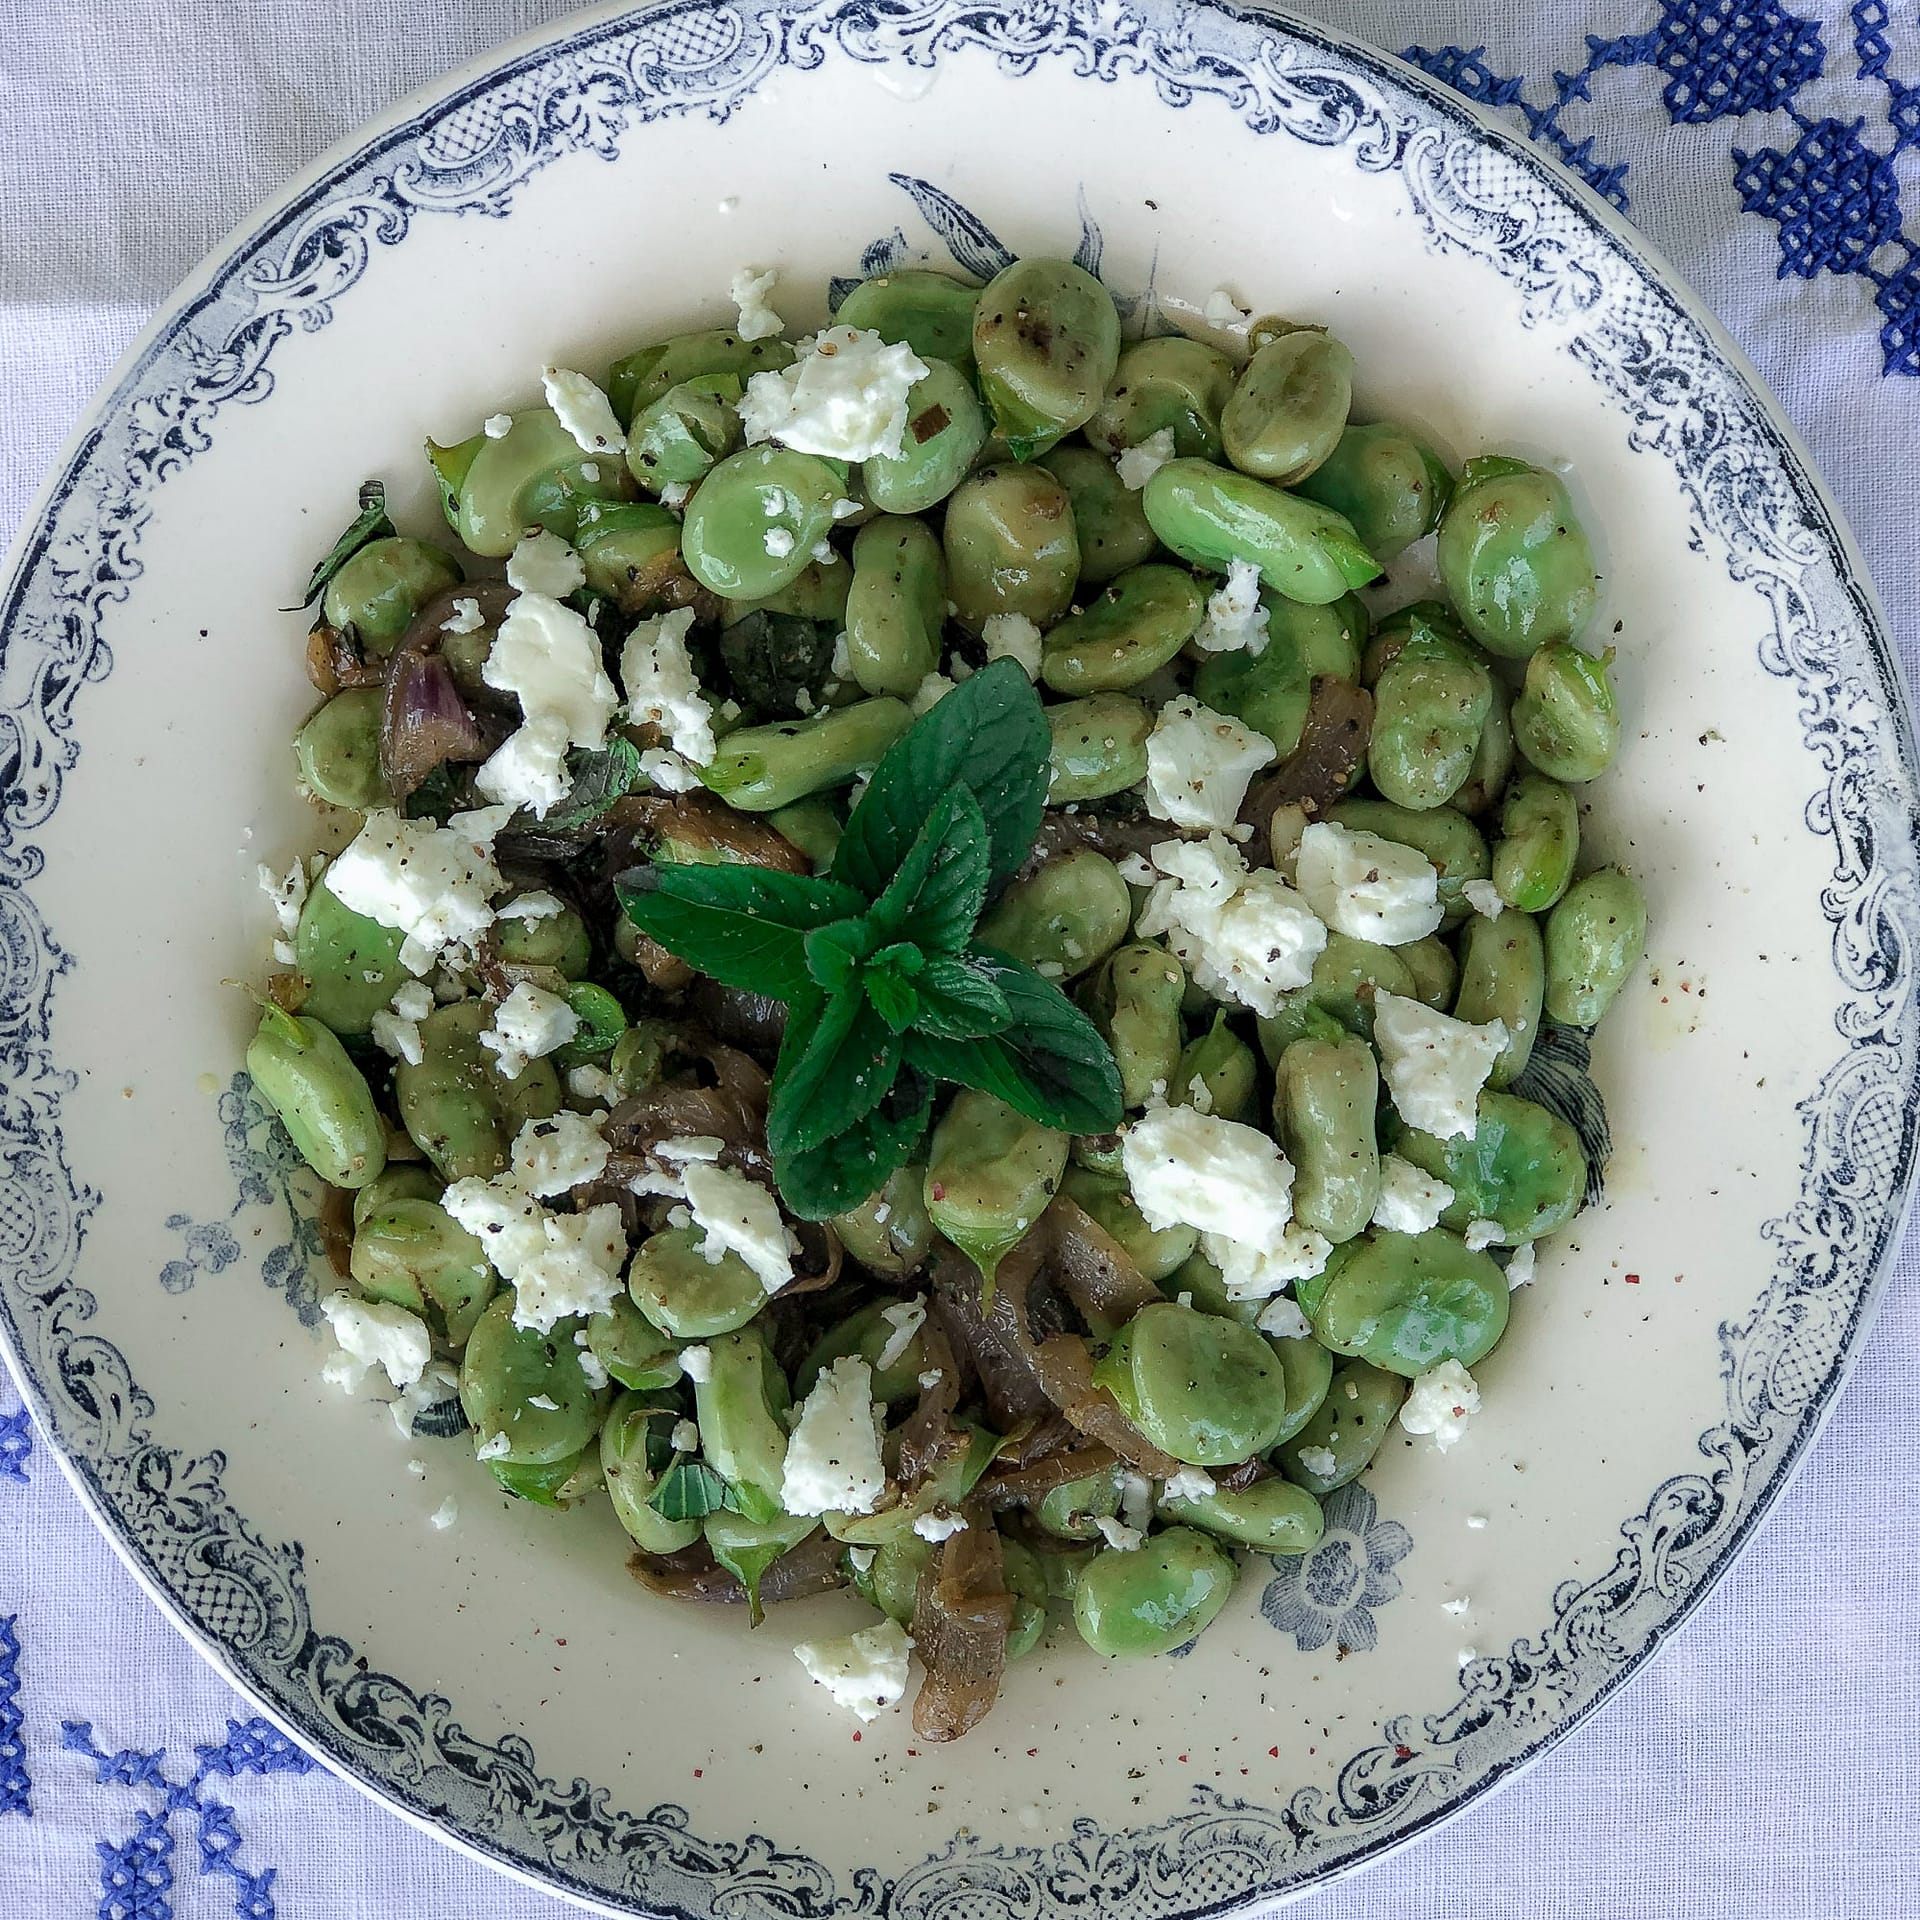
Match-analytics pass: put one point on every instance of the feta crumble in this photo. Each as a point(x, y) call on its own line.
point(1190, 1483)
point(583, 410)
point(548, 658)
point(1482, 1234)
point(1223, 310)
point(750, 292)
point(466, 617)
point(778, 543)
point(544, 563)
point(1012, 636)
point(1199, 763)
point(1260, 1272)
point(445, 1514)
point(1439, 1402)
point(1282, 1319)
point(529, 768)
point(1137, 465)
point(1411, 1199)
point(286, 896)
point(527, 1025)
point(1484, 898)
point(1368, 887)
point(685, 1437)
point(1433, 1064)
point(845, 399)
point(833, 1460)
point(662, 688)
point(929, 693)
point(1117, 1534)
point(906, 1318)
point(498, 425)
point(865, 1671)
point(495, 1448)
point(1321, 1462)
point(1219, 1176)
point(592, 1083)
point(369, 1334)
point(697, 1364)
point(555, 1155)
point(433, 884)
point(1520, 1269)
point(397, 1037)
point(668, 771)
point(939, 1526)
point(530, 906)
point(1235, 621)
point(438, 1383)
point(738, 1215)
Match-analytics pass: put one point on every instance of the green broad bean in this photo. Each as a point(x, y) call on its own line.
point(990, 1175)
point(1289, 407)
point(1169, 383)
point(1387, 481)
point(1514, 559)
point(631, 1350)
point(300, 1069)
point(399, 1181)
point(748, 1548)
point(1325, 1093)
point(897, 605)
point(635, 1450)
point(1522, 1167)
point(686, 1295)
point(1308, 1369)
point(1213, 516)
point(752, 525)
point(631, 553)
point(1136, 1004)
point(638, 379)
point(638, 1058)
point(1493, 758)
point(1430, 705)
point(1106, 1197)
point(1422, 621)
point(377, 593)
point(1154, 1599)
point(508, 1372)
point(761, 769)
point(1099, 747)
point(1352, 1425)
point(602, 1021)
point(1064, 918)
point(535, 475)
point(1565, 722)
point(1347, 973)
point(1271, 691)
point(946, 1487)
point(677, 438)
point(558, 940)
point(1539, 842)
point(456, 1109)
point(1503, 976)
point(563, 1483)
point(1206, 1390)
point(1134, 628)
point(1217, 1073)
point(741, 1407)
point(1455, 846)
point(890, 1233)
point(915, 307)
point(1011, 546)
point(867, 1334)
point(1046, 340)
point(890, 1580)
point(413, 1254)
point(1434, 969)
point(1594, 939)
point(1073, 1510)
point(810, 825)
point(817, 593)
point(1108, 519)
point(1025, 1576)
point(351, 964)
point(1408, 1301)
point(1197, 1282)
point(1271, 1516)
point(945, 432)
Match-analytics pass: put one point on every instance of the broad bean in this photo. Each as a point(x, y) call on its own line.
point(761, 769)
point(641, 377)
point(812, 826)
point(528, 1386)
point(1271, 691)
point(1492, 760)
point(557, 940)
point(456, 1109)
point(379, 590)
point(1135, 627)
point(753, 523)
point(631, 553)
point(1539, 841)
point(1011, 546)
point(1074, 1510)
point(1307, 1368)
point(534, 475)
point(891, 1233)
point(413, 1254)
point(300, 1069)
point(1064, 918)
point(1521, 1167)
point(1387, 482)
point(1271, 1516)
point(1099, 747)
point(635, 1450)
point(1565, 721)
point(1157, 1252)
point(1346, 975)
point(945, 433)
point(896, 606)
point(818, 593)
point(1154, 1599)
point(890, 1580)
point(915, 307)
point(351, 964)
point(1434, 969)
point(1595, 938)
point(867, 1334)
point(1503, 976)
point(399, 1181)
point(1325, 1093)
point(1109, 521)
point(1136, 1004)
point(990, 1174)
point(1206, 1390)
point(1025, 1577)
point(676, 439)
point(740, 1407)
point(1514, 558)
point(1170, 382)
point(1217, 1073)
point(1430, 705)
point(1046, 340)
point(1408, 1301)
point(1289, 407)
point(1352, 1424)
point(631, 1349)
point(686, 1295)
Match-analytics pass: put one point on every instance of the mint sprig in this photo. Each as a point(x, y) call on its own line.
point(888, 995)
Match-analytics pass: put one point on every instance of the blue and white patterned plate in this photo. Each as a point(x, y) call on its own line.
point(503, 1681)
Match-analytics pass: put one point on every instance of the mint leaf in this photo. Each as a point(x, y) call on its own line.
point(745, 926)
point(836, 1064)
point(600, 778)
point(889, 983)
point(990, 736)
point(372, 525)
point(690, 1490)
point(836, 952)
point(852, 1166)
point(936, 896)
point(958, 1001)
point(1049, 1062)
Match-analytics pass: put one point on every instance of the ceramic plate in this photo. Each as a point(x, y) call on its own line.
point(504, 1682)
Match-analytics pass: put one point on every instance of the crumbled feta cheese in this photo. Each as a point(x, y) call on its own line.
point(527, 1025)
point(531, 906)
point(833, 1459)
point(861, 1559)
point(1235, 620)
point(558, 1264)
point(591, 1371)
point(372, 1334)
point(529, 768)
point(662, 688)
point(697, 1363)
point(1433, 1064)
point(822, 551)
point(668, 771)
point(1367, 887)
point(1439, 1402)
point(418, 1468)
point(1012, 636)
point(1137, 465)
point(929, 693)
point(906, 1318)
point(499, 425)
point(1482, 1234)
point(939, 1526)
point(495, 1448)
point(778, 543)
point(583, 410)
point(846, 509)
point(1198, 1170)
point(1321, 1462)
point(692, 1146)
point(930, 1379)
point(1223, 310)
point(1411, 1199)
point(431, 883)
point(438, 1383)
point(1190, 1483)
point(866, 1671)
point(445, 1514)
point(1484, 898)
point(1460, 1605)
point(1520, 1267)
point(1242, 933)
point(285, 953)
point(750, 292)
point(685, 1437)
point(555, 1155)
point(1281, 1319)
point(1136, 1497)
point(1199, 764)
point(466, 617)
point(1117, 1534)
point(544, 563)
point(413, 1000)
point(1137, 870)
point(738, 1215)
point(1476, 1520)
point(286, 896)
point(845, 399)
point(397, 1037)
point(675, 494)
point(592, 1083)
point(547, 656)
point(1258, 1273)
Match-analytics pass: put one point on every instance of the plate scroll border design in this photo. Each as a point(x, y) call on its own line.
point(1474, 191)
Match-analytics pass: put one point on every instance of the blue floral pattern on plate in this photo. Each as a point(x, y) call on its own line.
point(1328, 1596)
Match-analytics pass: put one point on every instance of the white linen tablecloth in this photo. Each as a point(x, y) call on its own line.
point(1762, 1766)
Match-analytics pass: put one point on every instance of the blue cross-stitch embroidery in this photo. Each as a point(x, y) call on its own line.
point(1832, 194)
point(137, 1875)
point(16, 1789)
point(16, 1445)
